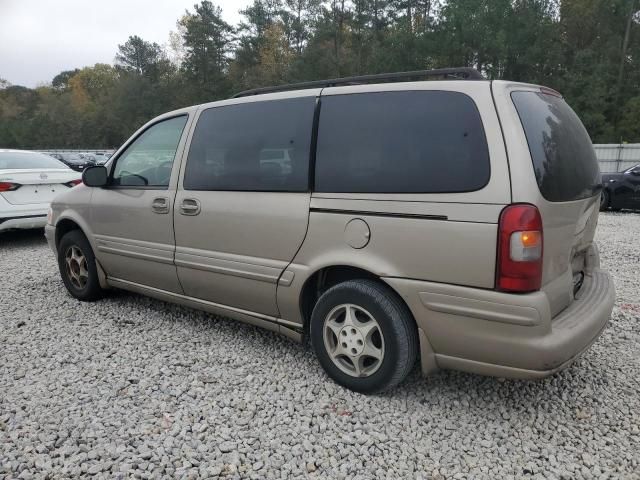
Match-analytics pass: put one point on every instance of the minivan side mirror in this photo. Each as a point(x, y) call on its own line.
point(95, 176)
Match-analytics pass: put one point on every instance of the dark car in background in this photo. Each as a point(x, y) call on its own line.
point(621, 190)
point(98, 158)
point(76, 161)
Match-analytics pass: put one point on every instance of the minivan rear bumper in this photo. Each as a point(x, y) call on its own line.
point(506, 335)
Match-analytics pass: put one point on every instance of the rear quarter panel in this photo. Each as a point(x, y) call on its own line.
point(405, 240)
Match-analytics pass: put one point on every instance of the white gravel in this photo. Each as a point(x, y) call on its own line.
point(130, 386)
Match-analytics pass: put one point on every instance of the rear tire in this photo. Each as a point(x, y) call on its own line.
point(364, 336)
point(77, 265)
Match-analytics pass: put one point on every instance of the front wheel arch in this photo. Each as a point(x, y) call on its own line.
point(81, 265)
point(63, 227)
point(66, 225)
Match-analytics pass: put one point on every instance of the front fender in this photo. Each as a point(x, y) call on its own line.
point(75, 206)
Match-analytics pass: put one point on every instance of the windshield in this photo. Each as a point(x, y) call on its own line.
point(564, 161)
point(28, 160)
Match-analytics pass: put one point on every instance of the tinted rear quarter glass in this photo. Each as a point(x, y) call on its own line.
point(401, 142)
point(564, 161)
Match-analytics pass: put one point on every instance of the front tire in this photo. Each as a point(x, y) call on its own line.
point(364, 336)
point(77, 265)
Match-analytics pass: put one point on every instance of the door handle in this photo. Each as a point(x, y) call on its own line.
point(160, 205)
point(190, 206)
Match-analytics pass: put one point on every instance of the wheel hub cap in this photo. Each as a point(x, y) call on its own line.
point(354, 341)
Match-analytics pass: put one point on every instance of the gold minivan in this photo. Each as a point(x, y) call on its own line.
point(428, 215)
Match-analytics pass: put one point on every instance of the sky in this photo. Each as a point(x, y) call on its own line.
point(41, 38)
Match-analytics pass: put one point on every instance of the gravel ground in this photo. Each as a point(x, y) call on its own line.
point(133, 387)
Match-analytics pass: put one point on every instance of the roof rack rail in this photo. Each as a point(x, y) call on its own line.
point(461, 73)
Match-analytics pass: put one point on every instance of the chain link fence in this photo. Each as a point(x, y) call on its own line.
point(617, 157)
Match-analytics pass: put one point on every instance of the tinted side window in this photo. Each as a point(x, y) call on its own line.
point(401, 142)
point(148, 161)
point(260, 146)
point(564, 161)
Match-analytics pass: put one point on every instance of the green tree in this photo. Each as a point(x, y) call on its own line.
point(141, 57)
point(629, 128)
point(298, 18)
point(61, 81)
point(252, 36)
point(275, 56)
point(207, 40)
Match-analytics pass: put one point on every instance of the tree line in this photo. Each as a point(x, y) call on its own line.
point(589, 50)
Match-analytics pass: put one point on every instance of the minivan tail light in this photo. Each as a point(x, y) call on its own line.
point(9, 186)
point(520, 249)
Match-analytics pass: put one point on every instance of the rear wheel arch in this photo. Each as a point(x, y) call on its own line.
point(324, 278)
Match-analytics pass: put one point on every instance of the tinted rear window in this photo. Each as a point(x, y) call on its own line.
point(256, 146)
point(564, 161)
point(401, 142)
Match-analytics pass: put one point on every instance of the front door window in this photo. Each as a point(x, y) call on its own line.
point(148, 161)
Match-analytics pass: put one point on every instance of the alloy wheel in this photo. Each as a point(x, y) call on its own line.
point(76, 264)
point(354, 341)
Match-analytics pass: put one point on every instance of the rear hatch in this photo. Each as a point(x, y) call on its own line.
point(36, 186)
point(568, 177)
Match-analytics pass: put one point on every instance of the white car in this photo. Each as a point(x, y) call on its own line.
point(28, 183)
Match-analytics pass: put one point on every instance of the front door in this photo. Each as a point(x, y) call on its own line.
point(132, 218)
point(242, 208)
